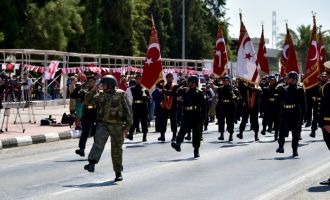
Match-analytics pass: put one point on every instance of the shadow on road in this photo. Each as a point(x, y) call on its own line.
point(78, 160)
point(135, 146)
point(321, 188)
point(233, 145)
point(90, 185)
point(270, 141)
point(312, 141)
point(280, 158)
point(179, 160)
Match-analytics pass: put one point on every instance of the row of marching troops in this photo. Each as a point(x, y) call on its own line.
point(118, 113)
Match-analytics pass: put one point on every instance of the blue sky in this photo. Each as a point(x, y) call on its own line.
point(297, 12)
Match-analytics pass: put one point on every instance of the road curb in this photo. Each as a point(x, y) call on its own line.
point(37, 139)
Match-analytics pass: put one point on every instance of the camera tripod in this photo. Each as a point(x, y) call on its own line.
point(29, 106)
point(10, 98)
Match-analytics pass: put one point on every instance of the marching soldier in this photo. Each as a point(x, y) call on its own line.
point(325, 112)
point(316, 104)
point(114, 119)
point(140, 108)
point(292, 108)
point(226, 107)
point(250, 97)
point(168, 108)
point(271, 107)
point(193, 113)
point(88, 118)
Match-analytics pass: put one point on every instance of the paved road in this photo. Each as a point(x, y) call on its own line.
point(242, 169)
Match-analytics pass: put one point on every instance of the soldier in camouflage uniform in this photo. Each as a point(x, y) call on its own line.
point(114, 118)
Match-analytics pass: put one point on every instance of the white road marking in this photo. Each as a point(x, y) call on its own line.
point(24, 140)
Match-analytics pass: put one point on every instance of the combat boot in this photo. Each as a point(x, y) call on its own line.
point(221, 137)
point(230, 137)
point(173, 137)
point(119, 177)
point(263, 132)
point(188, 136)
point(312, 134)
point(269, 130)
point(196, 152)
point(80, 152)
point(256, 138)
point(144, 139)
point(280, 149)
point(90, 167)
point(295, 153)
point(176, 146)
point(162, 137)
point(240, 135)
point(130, 136)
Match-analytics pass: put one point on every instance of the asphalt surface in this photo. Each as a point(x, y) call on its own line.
point(242, 169)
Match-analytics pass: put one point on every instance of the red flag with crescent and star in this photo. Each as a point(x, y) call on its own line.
point(153, 69)
point(288, 58)
point(262, 54)
point(312, 71)
point(247, 68)
point(322, 53)
point(220, 58)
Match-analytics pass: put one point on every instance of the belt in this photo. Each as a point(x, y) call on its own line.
point(90, 106)
point(191, 108)
point(226, 101)
point(326, 118)
point(138, 101)
point(271, 99)
point(289, 106)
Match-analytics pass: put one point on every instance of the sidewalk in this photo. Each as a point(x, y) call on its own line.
point(34, 133)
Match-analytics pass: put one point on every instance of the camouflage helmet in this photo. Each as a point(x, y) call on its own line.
point(193, 79)
point(293, 75)
point(109, 79)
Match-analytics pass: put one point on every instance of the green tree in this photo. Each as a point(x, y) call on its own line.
point(12, 19)
point(52, 26)
point(117, 27)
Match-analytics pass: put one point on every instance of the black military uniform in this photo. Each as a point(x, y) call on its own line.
point(325, 112)
point(226, 108)
point(250, 97)
point(193, 113)
point(88, 119)
point(140, 109)
point(271, 107)
point(292, 108)
point(168, 108)
point(316, 104)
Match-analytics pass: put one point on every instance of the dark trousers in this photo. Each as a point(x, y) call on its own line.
point(253, 113)
point(88, 126)
point(228, 115)
point(326, 137)
point(289, 121)
point(140, 114)
point(164, 115)
point(316, 118)
point(309, 109)
point(271, 117)
point(190, 121)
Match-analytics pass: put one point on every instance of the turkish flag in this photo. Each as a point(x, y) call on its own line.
point(220, 59)
point(322, 53)
point(288, 58)
point(152, 70)
point(262, 54)
point(246, 57)
point(312, 71)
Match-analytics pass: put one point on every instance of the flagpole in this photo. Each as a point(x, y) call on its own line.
point(183, 30)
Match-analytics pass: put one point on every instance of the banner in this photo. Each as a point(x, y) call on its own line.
point(152, 71)
point(262, 54)
point(220, 59)
point(312, 71)
point(246, 57)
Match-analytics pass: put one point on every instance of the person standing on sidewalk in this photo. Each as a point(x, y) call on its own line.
point(114, 118)
point(325, 112)
point(88, 118)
